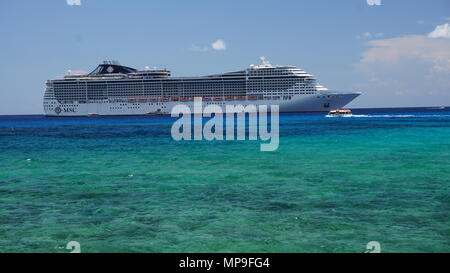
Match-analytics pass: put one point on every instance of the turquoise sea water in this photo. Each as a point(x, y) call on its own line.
point(121, 184)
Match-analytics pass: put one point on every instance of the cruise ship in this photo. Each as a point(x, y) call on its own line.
point(114, 89)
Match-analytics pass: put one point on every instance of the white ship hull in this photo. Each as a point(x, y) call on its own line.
point(320, 102)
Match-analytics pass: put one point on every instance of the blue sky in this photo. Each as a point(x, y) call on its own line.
point(386, 51)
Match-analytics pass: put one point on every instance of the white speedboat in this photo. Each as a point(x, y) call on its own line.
point(340, 113)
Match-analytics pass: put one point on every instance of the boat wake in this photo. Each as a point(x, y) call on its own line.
point(395, 116)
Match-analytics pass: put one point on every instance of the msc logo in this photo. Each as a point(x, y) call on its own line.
point(59, 110)
point(374, 2)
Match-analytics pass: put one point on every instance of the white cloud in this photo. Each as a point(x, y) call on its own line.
point(219, 45)
point(199, 48)
point(441, 31)
point(411, 70)
point(378, 35)
point(392, 50)
point(374, 2)
point(368, 35)
point(73, 2)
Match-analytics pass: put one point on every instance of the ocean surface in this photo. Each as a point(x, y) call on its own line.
point(122, 184)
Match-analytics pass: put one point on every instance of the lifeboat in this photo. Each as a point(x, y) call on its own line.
point(157, 112)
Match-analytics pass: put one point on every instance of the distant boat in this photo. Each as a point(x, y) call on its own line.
point(437, 108)
point(339, 113)
point(93, 114)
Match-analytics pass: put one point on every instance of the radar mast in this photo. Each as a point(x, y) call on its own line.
point(265, 62)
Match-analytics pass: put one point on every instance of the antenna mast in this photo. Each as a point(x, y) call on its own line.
point(265, 62)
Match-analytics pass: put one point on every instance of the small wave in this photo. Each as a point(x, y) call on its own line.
point(398, 116)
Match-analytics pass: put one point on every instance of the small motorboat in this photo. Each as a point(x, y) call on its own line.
point(340, 113)
point(93, 114)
